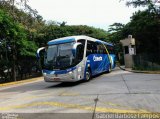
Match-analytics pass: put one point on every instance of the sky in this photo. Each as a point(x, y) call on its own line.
point(96, 13)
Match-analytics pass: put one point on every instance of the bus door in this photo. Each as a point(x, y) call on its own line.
point(95, 58)
point(102, 58)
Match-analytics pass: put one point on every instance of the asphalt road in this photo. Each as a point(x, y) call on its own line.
point(115, 92)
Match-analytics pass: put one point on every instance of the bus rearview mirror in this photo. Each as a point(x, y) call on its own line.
point(38, 51)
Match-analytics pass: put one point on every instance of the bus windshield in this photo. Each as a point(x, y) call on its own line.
point(59, 56)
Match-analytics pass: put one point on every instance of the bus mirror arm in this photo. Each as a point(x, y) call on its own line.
point(76, 44)
point(38, 51)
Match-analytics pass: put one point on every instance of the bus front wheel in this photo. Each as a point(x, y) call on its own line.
point(88, 75)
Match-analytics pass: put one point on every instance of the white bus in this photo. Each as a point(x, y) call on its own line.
point(75, 58)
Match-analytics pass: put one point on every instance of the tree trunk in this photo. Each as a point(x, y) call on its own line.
point(14, 71)
point(14, 63)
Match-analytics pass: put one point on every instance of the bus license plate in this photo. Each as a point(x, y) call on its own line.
point(56, 79)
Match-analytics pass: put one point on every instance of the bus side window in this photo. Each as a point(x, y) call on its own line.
point(101, 49)
point(80, 51)
point(81, 48)
point(94, 48)
point(110, 49)
point(82, 41)
point(89, 48)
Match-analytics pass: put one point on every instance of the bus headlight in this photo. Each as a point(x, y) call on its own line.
point(70, 72)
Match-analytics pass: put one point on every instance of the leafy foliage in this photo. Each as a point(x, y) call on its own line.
point(14, 33)
point(144, 26)
point(53, 30)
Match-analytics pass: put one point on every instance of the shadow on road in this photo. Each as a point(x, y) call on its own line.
point(72, 84)
point(66, 84)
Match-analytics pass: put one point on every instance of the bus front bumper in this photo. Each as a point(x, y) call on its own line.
point(60, 78)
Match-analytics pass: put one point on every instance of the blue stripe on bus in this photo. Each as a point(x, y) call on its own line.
point(60, 41)
point(59, 71)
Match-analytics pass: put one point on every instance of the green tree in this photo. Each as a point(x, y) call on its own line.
point(13, 39)
point(145, 27)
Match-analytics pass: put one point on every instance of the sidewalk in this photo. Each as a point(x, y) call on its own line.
point(30, 80)
point(138, 71)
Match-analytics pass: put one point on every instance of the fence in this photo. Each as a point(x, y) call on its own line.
point(25, 68)
point(147, 61)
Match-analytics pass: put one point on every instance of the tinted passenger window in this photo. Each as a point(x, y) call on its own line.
point(110, 49)
point(80, 50)
point(83, 41)
point(101, 49)
point(91, 48)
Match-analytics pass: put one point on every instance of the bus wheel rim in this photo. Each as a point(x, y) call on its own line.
point(87, 75)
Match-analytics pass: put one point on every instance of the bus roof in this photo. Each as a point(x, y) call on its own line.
point(61, 40)
point(100, 41)
point(74, 38)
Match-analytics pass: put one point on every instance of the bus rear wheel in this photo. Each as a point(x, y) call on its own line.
point(88, 75)
point(109, 70)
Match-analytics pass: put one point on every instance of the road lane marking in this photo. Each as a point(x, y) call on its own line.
point(72, 106)
point(29, 97)
point(115, 105)
point(21, 82)
point(70, 94)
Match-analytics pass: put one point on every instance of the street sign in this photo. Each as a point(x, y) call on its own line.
point(131, 51)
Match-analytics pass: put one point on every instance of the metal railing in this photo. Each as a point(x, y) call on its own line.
point(147, 61)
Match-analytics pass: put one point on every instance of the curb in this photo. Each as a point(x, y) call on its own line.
point(137, 71)
point(21, 82)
